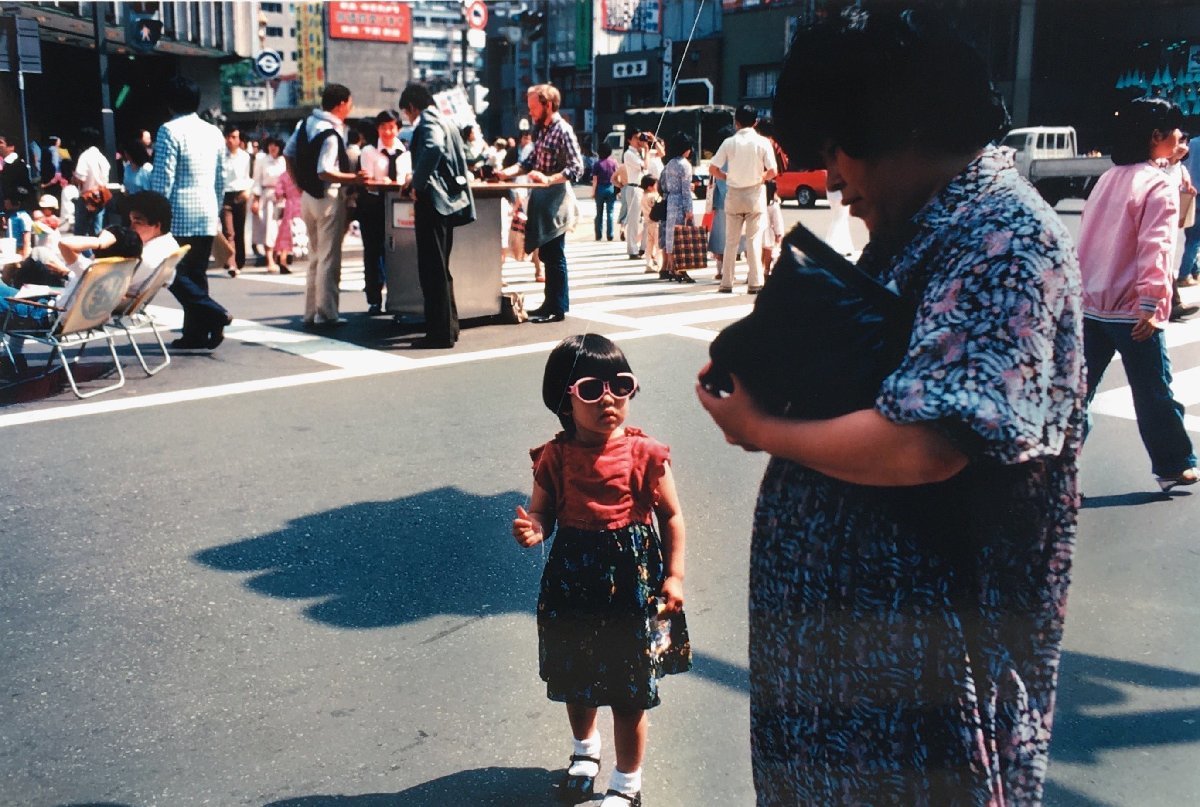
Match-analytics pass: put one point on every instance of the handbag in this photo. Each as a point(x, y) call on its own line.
point(658, 211)
point(222, 249)
point(1187, 210)
point(689, 247)
point(821, 338)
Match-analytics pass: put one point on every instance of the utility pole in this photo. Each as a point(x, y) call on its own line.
point(107, 122)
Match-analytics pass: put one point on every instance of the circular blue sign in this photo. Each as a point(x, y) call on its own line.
point(268, 63)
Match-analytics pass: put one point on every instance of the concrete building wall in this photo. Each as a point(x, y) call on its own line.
point(375, 72)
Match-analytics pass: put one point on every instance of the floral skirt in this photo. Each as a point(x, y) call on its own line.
point(594, 619)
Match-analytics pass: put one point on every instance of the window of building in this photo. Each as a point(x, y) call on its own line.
point(759, 82)
point(276, 8)
point(274, 30)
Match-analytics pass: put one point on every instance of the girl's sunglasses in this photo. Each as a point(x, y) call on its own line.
point(591, 390)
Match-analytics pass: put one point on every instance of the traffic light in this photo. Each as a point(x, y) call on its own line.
point(142, 33)
point(479, 98)
point(533, 24)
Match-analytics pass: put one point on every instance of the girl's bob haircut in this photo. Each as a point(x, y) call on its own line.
point(586, 355)
point(1135, 123)
point(877, 82)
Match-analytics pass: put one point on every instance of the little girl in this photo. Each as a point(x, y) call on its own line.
point(609, 579)
point(649, 198)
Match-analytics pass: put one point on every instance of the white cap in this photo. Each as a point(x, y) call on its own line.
point(48, 201)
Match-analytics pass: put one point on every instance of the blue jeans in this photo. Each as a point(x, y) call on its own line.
point(1148, 370)
point(554, 260)
point(606, 197)
point(1191, 247)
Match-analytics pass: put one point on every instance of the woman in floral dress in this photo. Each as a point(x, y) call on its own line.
point(910, 562)
point(675, 183)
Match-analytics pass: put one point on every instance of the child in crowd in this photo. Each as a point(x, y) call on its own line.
point(46, 222)
point(772, 233)
point(650, 197)
point(609, 579)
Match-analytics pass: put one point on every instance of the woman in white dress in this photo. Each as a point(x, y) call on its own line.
point(268, 167)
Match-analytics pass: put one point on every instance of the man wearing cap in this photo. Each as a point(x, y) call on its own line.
point(189, 156)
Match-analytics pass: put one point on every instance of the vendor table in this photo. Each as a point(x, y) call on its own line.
point(475, 260)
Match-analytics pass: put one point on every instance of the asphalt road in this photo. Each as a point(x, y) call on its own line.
point(281, 575)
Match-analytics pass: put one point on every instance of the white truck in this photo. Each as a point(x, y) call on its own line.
point(1048, 157)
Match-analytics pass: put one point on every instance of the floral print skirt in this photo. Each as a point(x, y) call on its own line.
point(896, 657)
point(594, 615)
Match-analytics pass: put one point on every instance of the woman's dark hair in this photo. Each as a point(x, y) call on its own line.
point(604, 151)
point(183, 95)
point(577, 357)
point(135, 151)
point(416, 95)
point(387, 116)
point(678, 144)
point(876, 82)
point(1136, 122)
point(648, 182)
point(154, 207)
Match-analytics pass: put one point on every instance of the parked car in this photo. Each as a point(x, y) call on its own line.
point(805, 187)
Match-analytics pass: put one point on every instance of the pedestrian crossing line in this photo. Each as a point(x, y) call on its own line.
point(77, 409)
point(666, 323)
point(311, 346)
point(1119, 402)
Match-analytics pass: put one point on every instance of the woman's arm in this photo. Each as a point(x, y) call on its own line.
point(533, 525)
point(674, 538)
point(863, 447)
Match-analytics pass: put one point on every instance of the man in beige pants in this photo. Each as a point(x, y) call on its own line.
point(745, 161)
point(317, 160)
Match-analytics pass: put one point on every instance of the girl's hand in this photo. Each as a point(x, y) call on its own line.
point(672, 595)
point(526, 530)
point(735, 414)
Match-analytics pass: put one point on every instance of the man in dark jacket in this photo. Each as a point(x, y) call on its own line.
point(441, 189)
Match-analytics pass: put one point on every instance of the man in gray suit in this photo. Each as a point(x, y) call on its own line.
point(441, 190)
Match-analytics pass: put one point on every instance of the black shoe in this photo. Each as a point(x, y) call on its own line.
point(191, 343)
point(576, 789)
point(374, 310)
point(1181, 312)
point(283, 270)
point(549, 316)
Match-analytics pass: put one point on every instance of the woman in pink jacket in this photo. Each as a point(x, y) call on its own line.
point(1126, 241)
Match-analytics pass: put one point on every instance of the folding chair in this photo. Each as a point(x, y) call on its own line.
point(131, 313)
point(81, 321)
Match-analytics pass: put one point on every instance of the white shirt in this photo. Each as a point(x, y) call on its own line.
point(91, 169)
point(744, 157)
point(237, 171)
point(374, 160)
point(154, 252)
point(267, 171)
point(635, 166)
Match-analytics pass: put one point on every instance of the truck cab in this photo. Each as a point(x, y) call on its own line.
point(1040, 143)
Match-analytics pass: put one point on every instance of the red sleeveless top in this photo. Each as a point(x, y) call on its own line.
point(601, 487)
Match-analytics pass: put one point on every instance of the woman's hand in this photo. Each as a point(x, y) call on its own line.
point(735, 414)
point(672, 595)
point(254, 206)
point(1144, 328)
point(526, 529)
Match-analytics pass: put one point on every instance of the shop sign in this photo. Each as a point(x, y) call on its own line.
point(372, 22)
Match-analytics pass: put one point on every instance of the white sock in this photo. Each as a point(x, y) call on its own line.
point(586, 748)
point(628, 783)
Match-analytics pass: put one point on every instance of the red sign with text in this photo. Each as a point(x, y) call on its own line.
point(372, 22)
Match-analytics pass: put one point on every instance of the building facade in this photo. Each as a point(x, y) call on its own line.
point(66, 96)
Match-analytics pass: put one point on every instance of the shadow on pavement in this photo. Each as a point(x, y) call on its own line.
point(1128, 499)
point(379, 564)
point(496, 787)
point(1059, 796)
point(1090, 683)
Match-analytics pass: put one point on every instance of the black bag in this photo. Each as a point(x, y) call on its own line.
point(658, 211)
point(821, 338)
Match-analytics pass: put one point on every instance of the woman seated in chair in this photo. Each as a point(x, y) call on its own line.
point(147, 236)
